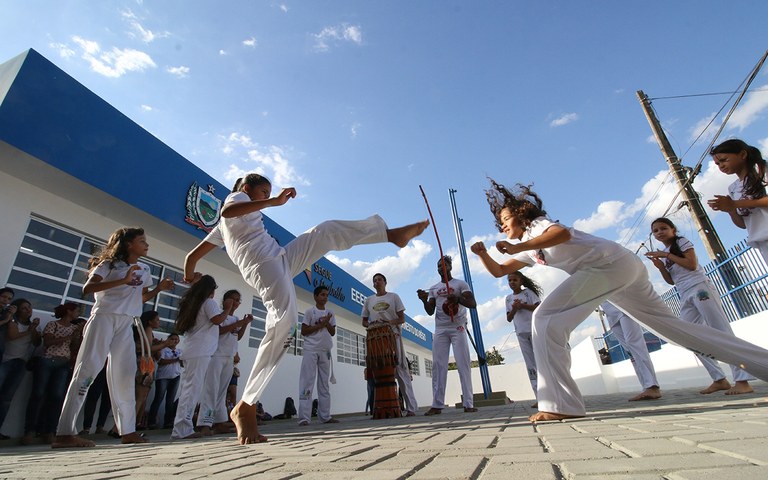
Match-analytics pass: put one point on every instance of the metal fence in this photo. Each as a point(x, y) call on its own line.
point(741, 280)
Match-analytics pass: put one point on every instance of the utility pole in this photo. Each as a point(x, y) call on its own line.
point(704, 225)
point(706, 230)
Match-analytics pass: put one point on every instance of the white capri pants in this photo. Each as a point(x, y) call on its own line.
point(315, 365)
point(442, 340)
point(213, 408)
point(190, 391)
point(625, 282)
point(525, 340)
point(106, 335)
point(629, 334)
point(273, 282)
point(701, 304)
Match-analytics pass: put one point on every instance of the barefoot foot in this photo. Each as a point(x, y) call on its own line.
point(244, 417)
point(650, 393)
point(71, 441)
point(716, 386)
point(740, 387)
point(402, 235)
point(223, 428)
point(550, 417)
point(133, 438)
point(205, 431)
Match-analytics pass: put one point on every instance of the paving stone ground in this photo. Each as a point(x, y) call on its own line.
point(682, 436)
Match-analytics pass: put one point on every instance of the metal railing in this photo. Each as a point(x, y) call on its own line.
point(741, 281)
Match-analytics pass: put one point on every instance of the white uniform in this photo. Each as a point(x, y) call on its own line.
point(270, 269)
point(522, 322)
point(316, 362)
point(450, 333)
point(213, 408)
point(629, 334)
point(700, 303)
point(108, 334)
point(601, 269)
point(385, 308)
point(755, 219)
point(199, 345)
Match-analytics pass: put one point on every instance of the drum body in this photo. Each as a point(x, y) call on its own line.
point(381, 360)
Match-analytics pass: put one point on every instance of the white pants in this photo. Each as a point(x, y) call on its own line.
point(190, 391)
point(403, 375)
point(701, 304)
point(625, 282)
point(105, 336)
point(442, 340)
point(213, 408)
point(629, 334)
point(273, 282)
point(762, 247)
point(525, 340)
point(315, 364)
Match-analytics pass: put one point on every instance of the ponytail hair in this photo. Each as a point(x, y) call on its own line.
point(252, 180)
point(674, 249)
point(528, 283)
point(116, 249)
point(191, 302)
point(754, 183)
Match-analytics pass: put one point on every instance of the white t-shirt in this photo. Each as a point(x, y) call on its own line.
point(684, 279)
point(440, 293)
point(203, 339)
point(383, 308)
point(247, 241)
point(123, 299)
point(170, 370)
point(582, 250)
point(756, 219)
point(21, 347)
point(228, 341)
point(320, 341)
point(523, 317)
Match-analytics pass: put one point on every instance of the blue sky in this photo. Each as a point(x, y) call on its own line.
point(356, 104)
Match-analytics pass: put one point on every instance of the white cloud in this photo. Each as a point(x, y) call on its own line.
point(223, 52)
point(354, 129)
point(250, 42)
point(63, 50)
point(114, 63)
point(337, 34)
point(284, 8)
point(181, 71)
point(146, 108)
point(492, 314)
point(144, 34)
point(564, 119)
point(699, 127)
point(750, 109)
point(397, 268)
point(608, 214)
point(272, 161)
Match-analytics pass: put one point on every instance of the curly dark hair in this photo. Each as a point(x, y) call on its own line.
point(525, 204)
point(528, 282)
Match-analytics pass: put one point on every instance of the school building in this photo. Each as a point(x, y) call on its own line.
point(73, 169)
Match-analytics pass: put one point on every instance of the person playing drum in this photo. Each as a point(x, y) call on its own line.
point(386, 308)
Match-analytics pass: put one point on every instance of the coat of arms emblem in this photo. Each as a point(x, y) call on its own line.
point(203, 208)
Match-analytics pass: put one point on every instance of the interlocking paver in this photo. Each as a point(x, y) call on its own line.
point(682, 436)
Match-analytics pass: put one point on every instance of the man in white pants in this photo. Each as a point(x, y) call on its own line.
point(629, 334)
point(448, 301)
point(387, 308)
point(318, 329)
point(213, 415)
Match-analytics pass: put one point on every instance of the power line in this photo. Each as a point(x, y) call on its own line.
point(693, 95)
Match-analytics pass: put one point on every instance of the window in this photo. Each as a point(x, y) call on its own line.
point(414, 363)
point(51, 268)
point(259, 324)
point(428, 367)
point(350, 347)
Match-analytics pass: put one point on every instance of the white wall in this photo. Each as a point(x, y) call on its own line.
point(675, 366)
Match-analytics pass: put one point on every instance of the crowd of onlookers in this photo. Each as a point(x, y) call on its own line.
point(46, 350)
